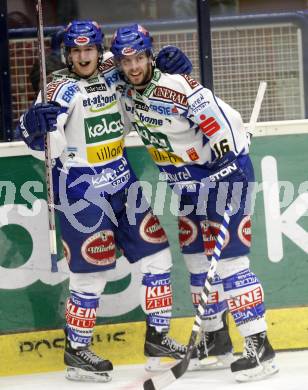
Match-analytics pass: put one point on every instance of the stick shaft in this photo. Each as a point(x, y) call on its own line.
point(48, 165)
point(256, 108)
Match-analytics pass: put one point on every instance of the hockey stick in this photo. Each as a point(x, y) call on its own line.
point(180, 368)
point(175, 372)
point(48, 167)
point(256, 108)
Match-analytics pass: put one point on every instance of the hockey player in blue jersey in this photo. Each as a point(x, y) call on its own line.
point(91, 181)
point(200, 146)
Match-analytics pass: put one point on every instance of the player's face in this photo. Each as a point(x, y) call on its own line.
point(84, 59)
point(137, 68)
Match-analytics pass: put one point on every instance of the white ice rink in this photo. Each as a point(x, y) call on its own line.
point(293, 375)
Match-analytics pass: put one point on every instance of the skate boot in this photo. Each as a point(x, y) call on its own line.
point(84, 365)
point(257, 361)
point(215, 350)
point(158, 345)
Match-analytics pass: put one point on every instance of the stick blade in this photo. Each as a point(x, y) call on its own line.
point(160, 381)
point(168, 377)
point(149, 385)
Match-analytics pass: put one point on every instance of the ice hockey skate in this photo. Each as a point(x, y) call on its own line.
point(84, 365)
point(214, 350)
point(158, 345)
point(257, 361)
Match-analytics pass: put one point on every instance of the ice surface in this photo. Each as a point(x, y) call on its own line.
point(293, 375)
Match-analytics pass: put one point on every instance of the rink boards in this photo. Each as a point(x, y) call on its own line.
point(33, 298)
point(42, 351)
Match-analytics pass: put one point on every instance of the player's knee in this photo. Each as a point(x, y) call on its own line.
point(231, 266)
point(90, 283)
point(159, 262)
point(196, 263)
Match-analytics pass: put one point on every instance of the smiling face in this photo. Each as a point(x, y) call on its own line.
point(84, 60)
point(137, 68)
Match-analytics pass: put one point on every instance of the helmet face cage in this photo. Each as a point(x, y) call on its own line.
point(80, 33)
point(130, 40)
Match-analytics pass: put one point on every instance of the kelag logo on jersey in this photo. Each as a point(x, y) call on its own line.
point(158, 140)
point(103, 127)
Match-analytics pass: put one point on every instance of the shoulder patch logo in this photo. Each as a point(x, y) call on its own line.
point(53, 86)
point(190, 81)
point(107, 65)
point(67, 88)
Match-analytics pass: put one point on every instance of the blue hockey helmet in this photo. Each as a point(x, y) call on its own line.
point(130, 40)
point(81, 33)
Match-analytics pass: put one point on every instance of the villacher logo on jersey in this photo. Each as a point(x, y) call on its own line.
point(66, 251)
point(99, 249)
point(151, 230)
point(210, 230)
point(187, 231)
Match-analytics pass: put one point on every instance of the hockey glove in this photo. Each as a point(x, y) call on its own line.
point(172, 60)
point(39, 119)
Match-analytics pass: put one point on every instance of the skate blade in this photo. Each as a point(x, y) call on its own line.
point(159, 364)
point(266, 369)
point(210, 363)
point(78, 374)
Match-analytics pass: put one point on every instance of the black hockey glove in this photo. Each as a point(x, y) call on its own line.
point(172, 60)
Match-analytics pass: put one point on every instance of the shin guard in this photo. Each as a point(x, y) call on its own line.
point(246, 302)
point(156, 299)
point(80, 318)
point(216, 306)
